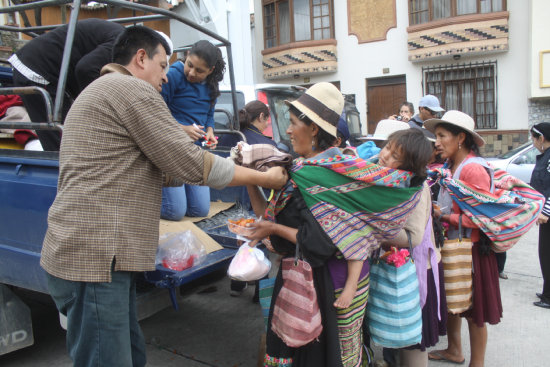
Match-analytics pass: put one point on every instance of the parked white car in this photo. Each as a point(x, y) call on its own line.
point(519, 162)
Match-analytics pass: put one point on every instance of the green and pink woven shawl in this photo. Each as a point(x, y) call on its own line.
point(359, 204)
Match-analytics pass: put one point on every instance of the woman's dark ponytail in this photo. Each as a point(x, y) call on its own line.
point(251, 112)
point(213, 57)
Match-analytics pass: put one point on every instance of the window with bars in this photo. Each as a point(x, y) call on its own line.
point(423, 11)
point(470, 88)
point(287, 21)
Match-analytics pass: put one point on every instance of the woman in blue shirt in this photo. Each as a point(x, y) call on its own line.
point(191, 94)
point(253, 120)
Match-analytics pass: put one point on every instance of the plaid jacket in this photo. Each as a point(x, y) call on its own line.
point(118, 139)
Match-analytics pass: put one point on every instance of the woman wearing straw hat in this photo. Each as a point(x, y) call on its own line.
point(458, 143)
point(323, 210)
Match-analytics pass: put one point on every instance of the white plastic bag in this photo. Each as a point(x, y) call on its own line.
point(179, 251)
point(248, 264)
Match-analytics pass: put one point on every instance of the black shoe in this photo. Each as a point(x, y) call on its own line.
point(237, 288)
point(542, 304)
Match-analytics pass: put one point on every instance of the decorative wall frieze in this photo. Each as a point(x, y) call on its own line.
point(458, 39)
point(302, 60)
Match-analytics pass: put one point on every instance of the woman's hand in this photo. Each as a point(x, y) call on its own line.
point(542, 219)
point(260, 230)
point(210, 138)
point(194, 131)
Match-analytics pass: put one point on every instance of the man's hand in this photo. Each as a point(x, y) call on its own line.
point(542, 219)
point(275, 178)
point(195, 132)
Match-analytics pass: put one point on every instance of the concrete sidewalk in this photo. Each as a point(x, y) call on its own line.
point(522, 338)
point(213, 329)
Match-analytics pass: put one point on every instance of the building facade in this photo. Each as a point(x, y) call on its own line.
point(228, 18)
point(483, 57)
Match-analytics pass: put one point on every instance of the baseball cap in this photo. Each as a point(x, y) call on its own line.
point(430, 102)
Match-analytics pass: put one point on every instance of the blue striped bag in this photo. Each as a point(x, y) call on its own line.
point(393, 310)
point(265, 294)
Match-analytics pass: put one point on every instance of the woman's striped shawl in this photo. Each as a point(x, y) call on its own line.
point(505, 215)
point(359, 204)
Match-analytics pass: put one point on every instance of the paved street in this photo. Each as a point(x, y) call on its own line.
point(213, 329)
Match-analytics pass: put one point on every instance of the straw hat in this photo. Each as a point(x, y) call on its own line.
point(323, 104)
point(385, 128)
point(459, 119)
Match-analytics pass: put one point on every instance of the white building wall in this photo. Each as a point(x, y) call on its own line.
point(358, 62)
point(539, 28)
point(228, 18)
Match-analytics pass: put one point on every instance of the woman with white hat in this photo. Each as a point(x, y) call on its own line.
point(323, 210)
point(458, 143)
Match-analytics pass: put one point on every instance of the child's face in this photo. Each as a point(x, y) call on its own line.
point(390, 156)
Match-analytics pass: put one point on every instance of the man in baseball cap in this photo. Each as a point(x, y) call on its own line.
point(428, 108)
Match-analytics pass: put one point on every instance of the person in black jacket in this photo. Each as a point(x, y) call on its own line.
point(540, 180)
point(38, 63)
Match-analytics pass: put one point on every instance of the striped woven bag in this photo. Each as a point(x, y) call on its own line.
point(393, 310)
point(296, 315)
point(457, 268)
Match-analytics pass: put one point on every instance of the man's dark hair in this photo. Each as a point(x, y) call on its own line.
point(135, 38)
point(416, 151)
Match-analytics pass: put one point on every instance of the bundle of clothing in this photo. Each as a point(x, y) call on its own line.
point(260, 157)
point(11, 111)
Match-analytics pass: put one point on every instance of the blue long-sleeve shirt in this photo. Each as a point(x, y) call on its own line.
point(188, 102)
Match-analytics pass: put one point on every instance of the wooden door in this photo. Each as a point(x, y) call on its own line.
point(384, 96)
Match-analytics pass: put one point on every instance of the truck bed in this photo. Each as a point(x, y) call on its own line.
point(28, 184)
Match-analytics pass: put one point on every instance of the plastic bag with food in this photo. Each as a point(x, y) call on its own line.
point(179, 251)
point(249, 264)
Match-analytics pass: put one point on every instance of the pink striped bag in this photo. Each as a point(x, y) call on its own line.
point(296, 315)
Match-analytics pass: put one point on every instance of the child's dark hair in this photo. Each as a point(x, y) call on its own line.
point(469, 141)
point(324, 139)
point(212, 56)
point(416, 151)
point(134, 38)
point(343, 143)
